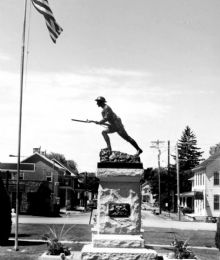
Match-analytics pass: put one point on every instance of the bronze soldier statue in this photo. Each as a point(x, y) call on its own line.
point(114, 124)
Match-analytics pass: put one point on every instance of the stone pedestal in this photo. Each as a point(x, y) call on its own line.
point(118, 227)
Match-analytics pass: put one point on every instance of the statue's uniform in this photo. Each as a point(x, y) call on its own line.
point(115, 121)
point(115, 125)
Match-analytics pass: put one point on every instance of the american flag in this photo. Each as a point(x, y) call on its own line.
point(42, 7)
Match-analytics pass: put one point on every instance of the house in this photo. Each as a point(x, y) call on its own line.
point(205, 192)
point(44, 183)
point(207, 183)
point(147, 196)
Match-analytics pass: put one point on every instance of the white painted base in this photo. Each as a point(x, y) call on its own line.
point(93, 253)
point(45, 256)
point(122, 241)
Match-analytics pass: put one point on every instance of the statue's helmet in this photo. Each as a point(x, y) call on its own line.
point(100, 99)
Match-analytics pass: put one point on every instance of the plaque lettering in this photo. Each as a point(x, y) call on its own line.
point(119, 210)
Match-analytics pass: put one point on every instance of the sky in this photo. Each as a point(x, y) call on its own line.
point(157, 63)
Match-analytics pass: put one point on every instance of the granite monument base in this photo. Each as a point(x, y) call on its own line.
point(117, 233)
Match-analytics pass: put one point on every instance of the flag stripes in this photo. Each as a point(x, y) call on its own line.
point(42, 6)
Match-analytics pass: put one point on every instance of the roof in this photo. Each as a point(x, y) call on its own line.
point(187, 194)
point(206, 162)
point(64, 167)
point(54, 164)
point(196, 193)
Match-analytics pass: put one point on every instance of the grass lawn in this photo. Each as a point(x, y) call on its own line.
point(153, 237)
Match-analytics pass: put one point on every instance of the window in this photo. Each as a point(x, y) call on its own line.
point(216, 178)
point(49, 176)
point(21, 177)
point(216, 202)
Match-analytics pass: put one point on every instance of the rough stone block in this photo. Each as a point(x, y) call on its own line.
point(127, 193)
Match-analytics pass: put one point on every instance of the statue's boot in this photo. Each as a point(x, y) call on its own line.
point(139, 151)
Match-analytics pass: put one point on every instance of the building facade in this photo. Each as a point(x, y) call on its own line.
point(44, 186)
point(147, 196)
point(206, 187)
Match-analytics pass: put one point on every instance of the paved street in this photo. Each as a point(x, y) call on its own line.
point(148, 220)
point(73, 218)
point(151, 220)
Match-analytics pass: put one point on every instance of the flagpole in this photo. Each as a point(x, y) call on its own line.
point(19, 129)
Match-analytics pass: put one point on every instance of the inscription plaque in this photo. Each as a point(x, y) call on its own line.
point(119, 210)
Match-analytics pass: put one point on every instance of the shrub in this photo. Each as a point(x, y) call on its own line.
point(187, 210)
point(53, 238)
point(40, 201)
point(182, 250)
point(5, 216)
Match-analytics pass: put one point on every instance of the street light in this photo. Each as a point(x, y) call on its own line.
point(12, 155)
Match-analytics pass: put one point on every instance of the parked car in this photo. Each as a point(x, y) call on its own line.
point(186, 210)
point(156, 209)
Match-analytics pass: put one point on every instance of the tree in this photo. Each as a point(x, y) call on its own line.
point(69, 164)
point(167, 184)
point(89, 181)
point(190, 156)
point(214, 149)
point(58, 156)
point(5, 216)
point(40, 201)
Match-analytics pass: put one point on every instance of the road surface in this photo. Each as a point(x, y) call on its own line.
point(148, 220)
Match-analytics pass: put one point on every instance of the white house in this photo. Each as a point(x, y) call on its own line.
point(206, 187)
point(147, 195)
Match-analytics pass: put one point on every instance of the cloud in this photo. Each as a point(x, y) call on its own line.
point(118, 72)
point(50, 100)
point(55, 94)
point(4, 57)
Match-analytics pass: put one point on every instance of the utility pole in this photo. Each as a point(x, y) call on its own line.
point(178, 181)
point(168, 170)
point(168, 156)
point(156, 144)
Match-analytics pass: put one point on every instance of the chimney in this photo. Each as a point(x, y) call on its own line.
point(43, 153)
point(36, 150)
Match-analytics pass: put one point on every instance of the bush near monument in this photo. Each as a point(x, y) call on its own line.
point(40, 201)
point(5, 216)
